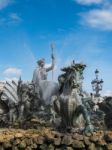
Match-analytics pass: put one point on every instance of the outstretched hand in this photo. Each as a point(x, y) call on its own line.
point(52, 56)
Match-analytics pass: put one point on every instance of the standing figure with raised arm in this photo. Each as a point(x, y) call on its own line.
point(40, 74)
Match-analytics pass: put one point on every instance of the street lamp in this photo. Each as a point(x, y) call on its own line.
point(97, 84)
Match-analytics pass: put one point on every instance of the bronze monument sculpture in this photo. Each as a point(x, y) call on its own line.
point(57, 115)
point(65, 104)
point(67, 99)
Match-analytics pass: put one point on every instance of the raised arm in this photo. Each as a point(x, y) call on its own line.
point(52, 65)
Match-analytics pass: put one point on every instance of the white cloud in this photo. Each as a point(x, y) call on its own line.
point(12, 73)
point(101, 17)
point(89, 2)
point(12, 78)
point(98, 18)
point(4, 3)
point(15, 17)
point(11, 19)
point(108, 93)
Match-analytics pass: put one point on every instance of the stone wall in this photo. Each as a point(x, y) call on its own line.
point(48, 139)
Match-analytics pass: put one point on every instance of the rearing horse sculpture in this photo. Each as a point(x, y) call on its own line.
point(69, 105)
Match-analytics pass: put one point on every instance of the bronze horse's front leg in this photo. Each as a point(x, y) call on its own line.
point(82, 110)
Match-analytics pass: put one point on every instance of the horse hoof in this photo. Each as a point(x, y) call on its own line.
point(89, 129)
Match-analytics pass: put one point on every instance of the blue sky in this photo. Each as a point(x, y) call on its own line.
point(80, 29)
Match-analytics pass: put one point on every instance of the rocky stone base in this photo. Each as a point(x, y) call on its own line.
point(48, 139)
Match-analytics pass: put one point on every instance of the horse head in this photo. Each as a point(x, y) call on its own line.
point(72, 77)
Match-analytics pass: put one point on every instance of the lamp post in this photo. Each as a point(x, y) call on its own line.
point(97, 84)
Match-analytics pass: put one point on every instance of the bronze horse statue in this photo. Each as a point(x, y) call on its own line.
point(69, 105)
